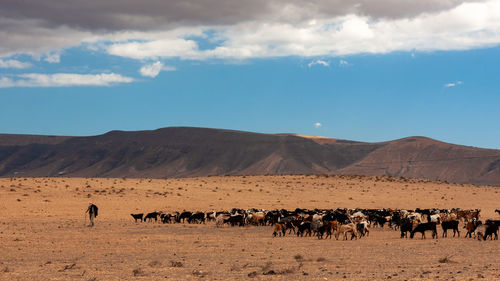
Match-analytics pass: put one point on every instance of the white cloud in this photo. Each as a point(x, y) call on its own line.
point(152, 70)
point(63, 80)
point(453, 84)
point(53, 58)
point(467, 26)
point(319, 62)
point(266, 29)
point(317, 125)
point(14, 64)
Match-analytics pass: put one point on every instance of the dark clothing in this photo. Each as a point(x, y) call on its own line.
point(92, 210)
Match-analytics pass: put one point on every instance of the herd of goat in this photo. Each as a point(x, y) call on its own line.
point(341, 222)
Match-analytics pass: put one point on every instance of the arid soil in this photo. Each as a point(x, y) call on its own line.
point(43, 232)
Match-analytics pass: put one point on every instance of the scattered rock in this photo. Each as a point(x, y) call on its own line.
point(155, 264)
point(137, 272)
point(199, 273)
point(269, 272)
point(298, 258)
point(69, 266)
point(252, 274)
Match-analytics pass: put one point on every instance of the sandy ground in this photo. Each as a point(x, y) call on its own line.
point(43, 232)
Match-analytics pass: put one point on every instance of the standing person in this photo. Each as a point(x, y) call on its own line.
point(92, 210)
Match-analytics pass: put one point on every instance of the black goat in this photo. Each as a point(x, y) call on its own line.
point(197, 217)
point(137, 216)
point(183, 216)
point(424, 227)
point(450, 225)
point(405, 226)
point(304, 227)
point(151, 216)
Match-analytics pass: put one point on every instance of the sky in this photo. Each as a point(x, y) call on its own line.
point(366, 70)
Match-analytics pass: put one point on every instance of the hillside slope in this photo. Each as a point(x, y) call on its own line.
point(187, 152)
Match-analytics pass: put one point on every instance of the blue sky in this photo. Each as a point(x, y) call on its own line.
point(367, 81)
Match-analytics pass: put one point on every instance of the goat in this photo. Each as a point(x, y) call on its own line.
point(137, 216)
point(490, 229)
point(197, 217)
point(183, 216)
point(279, 228)
point(424, 227)
point(304, 227)
point(327, 227)
point(221, 219)
point(450, 225)
point(405, 227)
point(346, 228)
point(471, 228)
point(362, 229)
point(151, 216)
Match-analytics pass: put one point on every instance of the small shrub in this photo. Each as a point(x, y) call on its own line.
point(176, 264)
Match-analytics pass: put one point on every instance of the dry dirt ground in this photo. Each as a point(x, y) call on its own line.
point(43, 234)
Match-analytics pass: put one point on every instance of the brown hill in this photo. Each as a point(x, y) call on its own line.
point(183, 152)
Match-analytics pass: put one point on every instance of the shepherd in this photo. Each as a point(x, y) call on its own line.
point(92, 210)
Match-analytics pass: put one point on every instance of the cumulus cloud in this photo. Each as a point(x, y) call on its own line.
point(152, 70)
point(319, 62)
point(14, 64)
point(317, 125)
point(116, 15)
point(62, 80)
point(156, 29)
point(467, 26)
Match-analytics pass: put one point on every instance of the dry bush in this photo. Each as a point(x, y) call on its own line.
point(298, 257)
point(137, 272)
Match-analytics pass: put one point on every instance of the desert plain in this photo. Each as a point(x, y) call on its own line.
point(44, 233)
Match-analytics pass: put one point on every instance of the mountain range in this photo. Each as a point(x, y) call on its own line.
point(192, 152)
